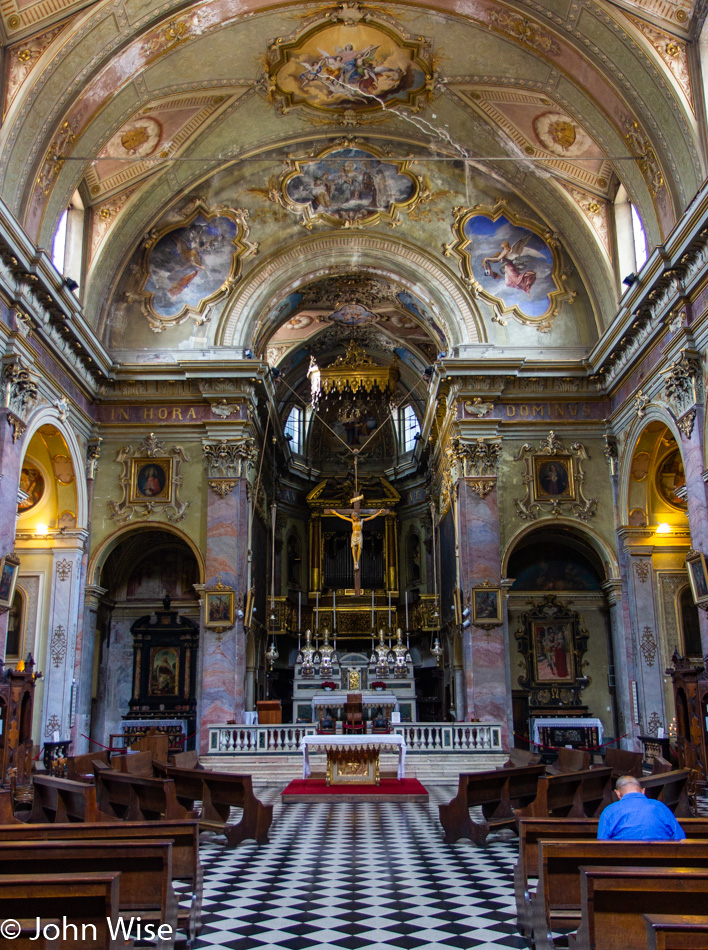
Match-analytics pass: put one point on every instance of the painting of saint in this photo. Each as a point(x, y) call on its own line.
point(669, 478)
point(32, 485)
point(511, 263)
point(349, 67)
point(352, 315)
point(699, 582)
point(7, 582)
point(486, 604)
point(189, 264)
point(219, 608)
point(349, 185)
point(164, 671)
point(151, 481)
point(554, 662)
point(552, 478)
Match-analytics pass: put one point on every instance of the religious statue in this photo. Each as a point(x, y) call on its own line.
point(400, 664)
point(314, 375)
point(308, 651)
point(328, 656)
point(356, 520)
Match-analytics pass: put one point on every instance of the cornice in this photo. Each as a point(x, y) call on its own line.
point(45, 308)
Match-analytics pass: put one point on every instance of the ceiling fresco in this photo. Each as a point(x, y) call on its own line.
point(486, 147)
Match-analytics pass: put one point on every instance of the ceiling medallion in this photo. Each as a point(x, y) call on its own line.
point(343, 60)
point(511, 262)
point(349, 185)
point(188, 265)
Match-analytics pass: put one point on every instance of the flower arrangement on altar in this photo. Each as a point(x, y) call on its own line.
point(329, 684)
point(378, 684)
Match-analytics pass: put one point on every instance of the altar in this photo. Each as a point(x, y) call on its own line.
point(336, 699)
point(353, 759)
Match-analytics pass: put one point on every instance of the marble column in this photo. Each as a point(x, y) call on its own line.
point(691, 426)
point(223, 651)
point(59, 663)
point(19, 394)
point(487, 675)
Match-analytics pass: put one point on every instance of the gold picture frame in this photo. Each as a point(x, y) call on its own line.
point(698, 577)
point(151, 481)
point(553, 478)
point(486, 605)
point(9, 571)
point(248, 612)
point(219, 607)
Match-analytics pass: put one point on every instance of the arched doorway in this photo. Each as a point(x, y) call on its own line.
point(562, 668)
point(141, 570)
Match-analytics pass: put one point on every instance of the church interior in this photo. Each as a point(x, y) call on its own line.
point(353, 470)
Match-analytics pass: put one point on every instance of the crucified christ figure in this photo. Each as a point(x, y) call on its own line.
point(355, 517)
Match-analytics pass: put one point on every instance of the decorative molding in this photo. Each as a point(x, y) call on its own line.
point(648, 646)
point(569, 499)
point(229, 458)
point(53, 725)
point(150, 447)
point(222, 486)
point(683, 384)
point(64, 569)
point(611, 454)
point(641, 402)
point(654, 724)
point(478, 407)
point(57, 646)
point(642, 569)
point(686, 422)
point(93, 454)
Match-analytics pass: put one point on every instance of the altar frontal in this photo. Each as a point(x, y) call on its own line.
point(353, 760)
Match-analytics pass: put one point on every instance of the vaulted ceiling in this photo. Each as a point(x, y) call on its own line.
point(391, 146)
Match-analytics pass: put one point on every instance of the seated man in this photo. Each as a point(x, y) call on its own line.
point(637, 818)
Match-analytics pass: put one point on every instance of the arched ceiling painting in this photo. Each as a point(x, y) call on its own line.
point(258, 175)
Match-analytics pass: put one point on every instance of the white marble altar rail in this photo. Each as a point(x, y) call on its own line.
point(437, 737)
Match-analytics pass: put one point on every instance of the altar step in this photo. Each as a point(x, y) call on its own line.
point(434, 768)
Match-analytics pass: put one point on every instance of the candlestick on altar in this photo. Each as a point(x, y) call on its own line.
point(334, 609)
point(317, 610)
point(389, 610)
point(299, 610)
point(406, 610)
point(373, 622)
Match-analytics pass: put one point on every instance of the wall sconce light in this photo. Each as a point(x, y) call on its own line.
point(663, 528)
point(41, 529)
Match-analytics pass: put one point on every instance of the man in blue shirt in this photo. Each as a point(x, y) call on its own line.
point(637, 818)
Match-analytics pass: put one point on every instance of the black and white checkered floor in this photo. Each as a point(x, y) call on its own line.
point(350, 876)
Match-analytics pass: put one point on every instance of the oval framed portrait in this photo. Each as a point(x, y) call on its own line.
point(670, 478)
point(32, 484)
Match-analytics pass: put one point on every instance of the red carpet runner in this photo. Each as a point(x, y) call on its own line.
point(390, 789)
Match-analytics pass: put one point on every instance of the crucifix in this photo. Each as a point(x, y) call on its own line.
point(357, 516)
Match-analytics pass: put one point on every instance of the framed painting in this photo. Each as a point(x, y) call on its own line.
point(670, 479)
point(219, 608)
point(32, 486)
point(9, 569)
point(486, 605)
point(698, 576)
point(151, 480)
point(553, 478)
point(552, 652)
point(164, 671)
point(248, 612)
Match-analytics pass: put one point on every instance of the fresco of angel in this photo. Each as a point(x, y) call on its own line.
point(512, 263)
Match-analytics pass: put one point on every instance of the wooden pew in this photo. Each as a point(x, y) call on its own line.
point(518, 758)
point(7, 808)
point(498, 791)
point(62, 800)
point(623, 762)
point(570, 760)
point(137, 798)
point(557, 903)
point(218, 793)
point(26, 940)
point(614, 900)
point(676, 932)
point(80, 768)
point(183, 835)
point(571, 795)
point(134, 763)
point(671, 788)
point(81, 898)
point(533, 830)
point(145, 867)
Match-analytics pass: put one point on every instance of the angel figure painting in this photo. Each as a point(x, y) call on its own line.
point(349, 66)
point(188, 264)
point(512, 263)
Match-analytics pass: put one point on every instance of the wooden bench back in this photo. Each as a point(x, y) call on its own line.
point(624, 762)
point(671, 788)
point(676, 931)
point(614, 900)
point(138, 798)
point(572, 795)
point(63, 800)
point(90, 898)
point(80, 768)
point(134, 763)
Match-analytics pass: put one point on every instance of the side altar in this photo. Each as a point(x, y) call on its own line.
point(386, 678)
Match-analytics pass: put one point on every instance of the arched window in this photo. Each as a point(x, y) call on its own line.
point(631, 238)
point(689, 625)
point(68, 243)
point(410, 428)
point(15, 626)
point(293, 428)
